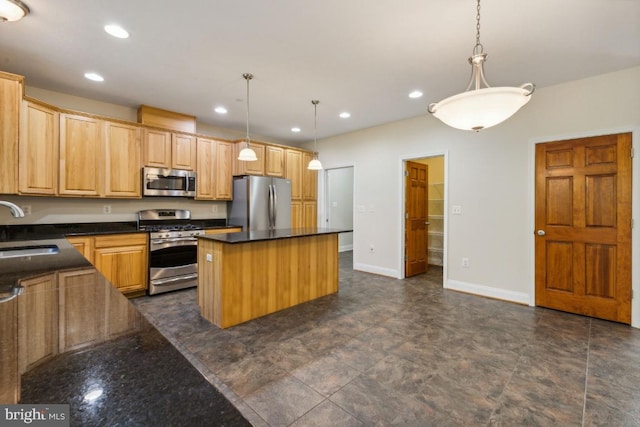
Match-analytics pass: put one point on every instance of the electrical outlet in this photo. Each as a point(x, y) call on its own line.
point(209, 258)
point(214, 208)
point(372, 248)
point(465, 262)
point(106, 209)
point(26, 209)
point(456, 210)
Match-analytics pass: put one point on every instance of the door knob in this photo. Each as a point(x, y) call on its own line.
point(541, 232)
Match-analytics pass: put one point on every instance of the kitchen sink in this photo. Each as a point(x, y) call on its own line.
point(28, 251)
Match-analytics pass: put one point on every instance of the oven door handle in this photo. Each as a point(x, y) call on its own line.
point(174, 279)
point(177, 239)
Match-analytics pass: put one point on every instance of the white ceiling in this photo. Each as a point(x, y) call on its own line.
point(361, 56)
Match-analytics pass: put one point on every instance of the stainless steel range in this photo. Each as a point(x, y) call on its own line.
point(173, 249)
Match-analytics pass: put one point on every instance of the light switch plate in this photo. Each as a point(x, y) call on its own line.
point(456, 210)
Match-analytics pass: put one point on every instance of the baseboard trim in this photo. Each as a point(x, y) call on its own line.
point(389, 272)
point(487, 291)
point(345, 248)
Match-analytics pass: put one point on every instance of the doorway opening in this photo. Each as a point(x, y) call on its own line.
point(424, 214)
point(338, 184)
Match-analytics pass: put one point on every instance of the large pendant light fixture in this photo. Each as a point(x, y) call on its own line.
point(247, 154)
point(315, 164)
point(12, 10)
point(481, 106)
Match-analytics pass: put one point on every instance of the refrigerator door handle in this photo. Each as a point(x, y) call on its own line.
point(271, 207)
point(275, 206)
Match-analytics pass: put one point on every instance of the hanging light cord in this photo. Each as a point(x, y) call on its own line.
point(315, 126)
point(247, 77)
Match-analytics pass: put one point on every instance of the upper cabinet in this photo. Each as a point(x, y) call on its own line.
point(274, 161)
point(249, 168)
point(38, 151)
point(163, 149)
point(214, 166)
point(81, 168)
point(11, 91)
point(309, 178)
point(294, 172)
point(122, 177)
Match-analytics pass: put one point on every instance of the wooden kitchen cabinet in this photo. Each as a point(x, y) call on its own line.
point(274, 161)
point(157, 148)
point(81, 309)
point(294, 172)
point(121, 316)
point(123, 260)
point(214, 168)
point(183, 151)
point(309, 179)
point(81, 164)
point(310, 213)
point(222, 230)
point(249, 168)
point(11, 92)
point(38, 151)
point(9, 370)
point(37, 321)
point(296, 214)
point(122, 160)
point(84, 245)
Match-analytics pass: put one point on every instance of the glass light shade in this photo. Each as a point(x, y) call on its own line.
point(247, 155)
point(315, 165)
point(481, 108)
point(12, 10)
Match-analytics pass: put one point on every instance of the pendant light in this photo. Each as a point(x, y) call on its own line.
point(12, 10)
point(315, 164)
point(481, 106)
point(247, 154)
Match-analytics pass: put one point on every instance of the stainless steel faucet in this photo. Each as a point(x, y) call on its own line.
point(15, 209)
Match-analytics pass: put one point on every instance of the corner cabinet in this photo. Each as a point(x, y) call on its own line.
point(11, 91)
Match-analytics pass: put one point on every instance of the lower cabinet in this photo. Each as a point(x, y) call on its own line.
point(9, 374)
point(122, 258)
point(304, 214)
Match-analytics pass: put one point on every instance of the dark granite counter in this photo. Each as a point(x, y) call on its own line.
point(260, 235)
point(144, 380)
point(9, 233)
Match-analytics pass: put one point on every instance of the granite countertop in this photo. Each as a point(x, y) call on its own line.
point(145, 380)
point(261, 235)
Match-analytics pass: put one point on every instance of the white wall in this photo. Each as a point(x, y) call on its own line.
point(489, 174)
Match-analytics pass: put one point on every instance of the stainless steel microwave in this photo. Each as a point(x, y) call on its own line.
point(168, 182)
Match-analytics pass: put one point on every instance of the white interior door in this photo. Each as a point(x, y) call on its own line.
point(339, 204)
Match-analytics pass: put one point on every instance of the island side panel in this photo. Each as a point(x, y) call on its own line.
point(258, 278)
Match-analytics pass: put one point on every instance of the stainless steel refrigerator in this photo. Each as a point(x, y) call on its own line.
point(260, 203)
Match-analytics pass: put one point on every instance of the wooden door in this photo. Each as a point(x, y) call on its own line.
point(416, 218)
point(583, 226)
point(122, 161)
point(205, 153)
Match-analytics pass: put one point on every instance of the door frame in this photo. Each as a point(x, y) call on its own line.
point(635, 209)
point(401, 206)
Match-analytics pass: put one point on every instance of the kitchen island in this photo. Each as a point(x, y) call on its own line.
point(246, 275)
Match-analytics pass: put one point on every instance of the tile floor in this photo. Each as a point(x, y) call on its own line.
point(406, 352)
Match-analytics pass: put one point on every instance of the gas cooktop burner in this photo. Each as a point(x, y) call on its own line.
point(169, 227)
point(165, 220)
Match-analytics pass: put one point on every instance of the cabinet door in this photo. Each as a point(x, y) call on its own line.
point(205, 171)
point(157, 148)
point(274, 161)
point(81, 305)
point(310, 214)
point(81, 163)
point(9, 374)
point(10, 97)
point(309, 179)
point(183, 151)
point(296, 214)
point(38, 150)
point(121, 317)
point(223, 170)
point(122, 161)
point(249, 168)
point(37, 321)
point(84, 245)
point(123, 260)
point(294, 172)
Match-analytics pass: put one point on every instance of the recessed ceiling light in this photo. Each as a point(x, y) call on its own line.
point(94, 76)
point(220, 110)
point(415, 94)
point(116, 31)
point(345, 115)
point(295, 129)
